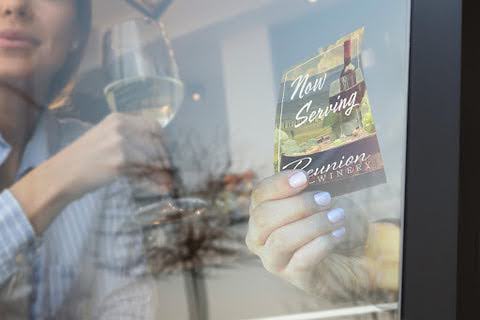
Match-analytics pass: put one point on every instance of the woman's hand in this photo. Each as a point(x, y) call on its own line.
point(294, 233)
point(119, 145)
point(291, 231)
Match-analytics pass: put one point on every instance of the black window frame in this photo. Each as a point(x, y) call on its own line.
point(429, 272)
point(468, 287)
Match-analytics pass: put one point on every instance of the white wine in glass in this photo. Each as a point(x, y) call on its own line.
point(153, 97)
point(141, 66)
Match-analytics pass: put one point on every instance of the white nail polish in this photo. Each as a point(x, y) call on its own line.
point(339, 233)
point(322, 198)
point(297, 180)
point(336, 215)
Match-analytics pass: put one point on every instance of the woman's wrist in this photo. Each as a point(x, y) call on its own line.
point(44, 192)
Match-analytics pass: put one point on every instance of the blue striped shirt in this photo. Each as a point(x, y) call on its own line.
point(90, 230)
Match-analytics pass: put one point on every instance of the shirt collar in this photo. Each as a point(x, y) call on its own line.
point(40, 147)
point(4, 149)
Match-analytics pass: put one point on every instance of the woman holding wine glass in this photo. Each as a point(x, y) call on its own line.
point(55, 174)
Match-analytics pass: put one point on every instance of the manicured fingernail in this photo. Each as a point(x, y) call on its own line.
point(322, 198)
point(297, 180)
point(339, 233)
point(336, 215)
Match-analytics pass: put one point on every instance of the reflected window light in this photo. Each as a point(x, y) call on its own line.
point(195, 92)
point(196, 97)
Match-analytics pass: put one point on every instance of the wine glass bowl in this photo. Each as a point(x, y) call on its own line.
point(140, 65)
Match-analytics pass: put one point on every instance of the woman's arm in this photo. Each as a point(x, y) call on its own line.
point(44, 192)
point(119, 145)
point(16, 234)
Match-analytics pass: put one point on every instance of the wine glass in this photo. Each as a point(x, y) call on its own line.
point(141, 66)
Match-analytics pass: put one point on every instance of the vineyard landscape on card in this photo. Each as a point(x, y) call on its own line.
point(324, 121)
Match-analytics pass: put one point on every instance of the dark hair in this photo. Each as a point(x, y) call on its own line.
point(61, 83)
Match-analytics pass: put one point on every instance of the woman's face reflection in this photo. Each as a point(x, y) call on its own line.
point(36, 36)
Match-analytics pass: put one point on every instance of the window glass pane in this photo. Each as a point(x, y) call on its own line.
point(208, 159)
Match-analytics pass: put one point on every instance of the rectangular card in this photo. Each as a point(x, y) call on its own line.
point(324, 122)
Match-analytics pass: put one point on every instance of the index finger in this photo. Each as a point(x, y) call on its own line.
point(150, 136)
point(279, 186)
point(144, 123)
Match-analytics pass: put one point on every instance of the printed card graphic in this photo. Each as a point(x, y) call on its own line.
point(324, 122)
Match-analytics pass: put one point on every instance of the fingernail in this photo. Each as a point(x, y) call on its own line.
point(322, 198)
point(336, 215)
point(339, 233)
point(297, 180)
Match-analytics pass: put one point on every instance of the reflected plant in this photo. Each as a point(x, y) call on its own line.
point(195, 227)
point(196, 237)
